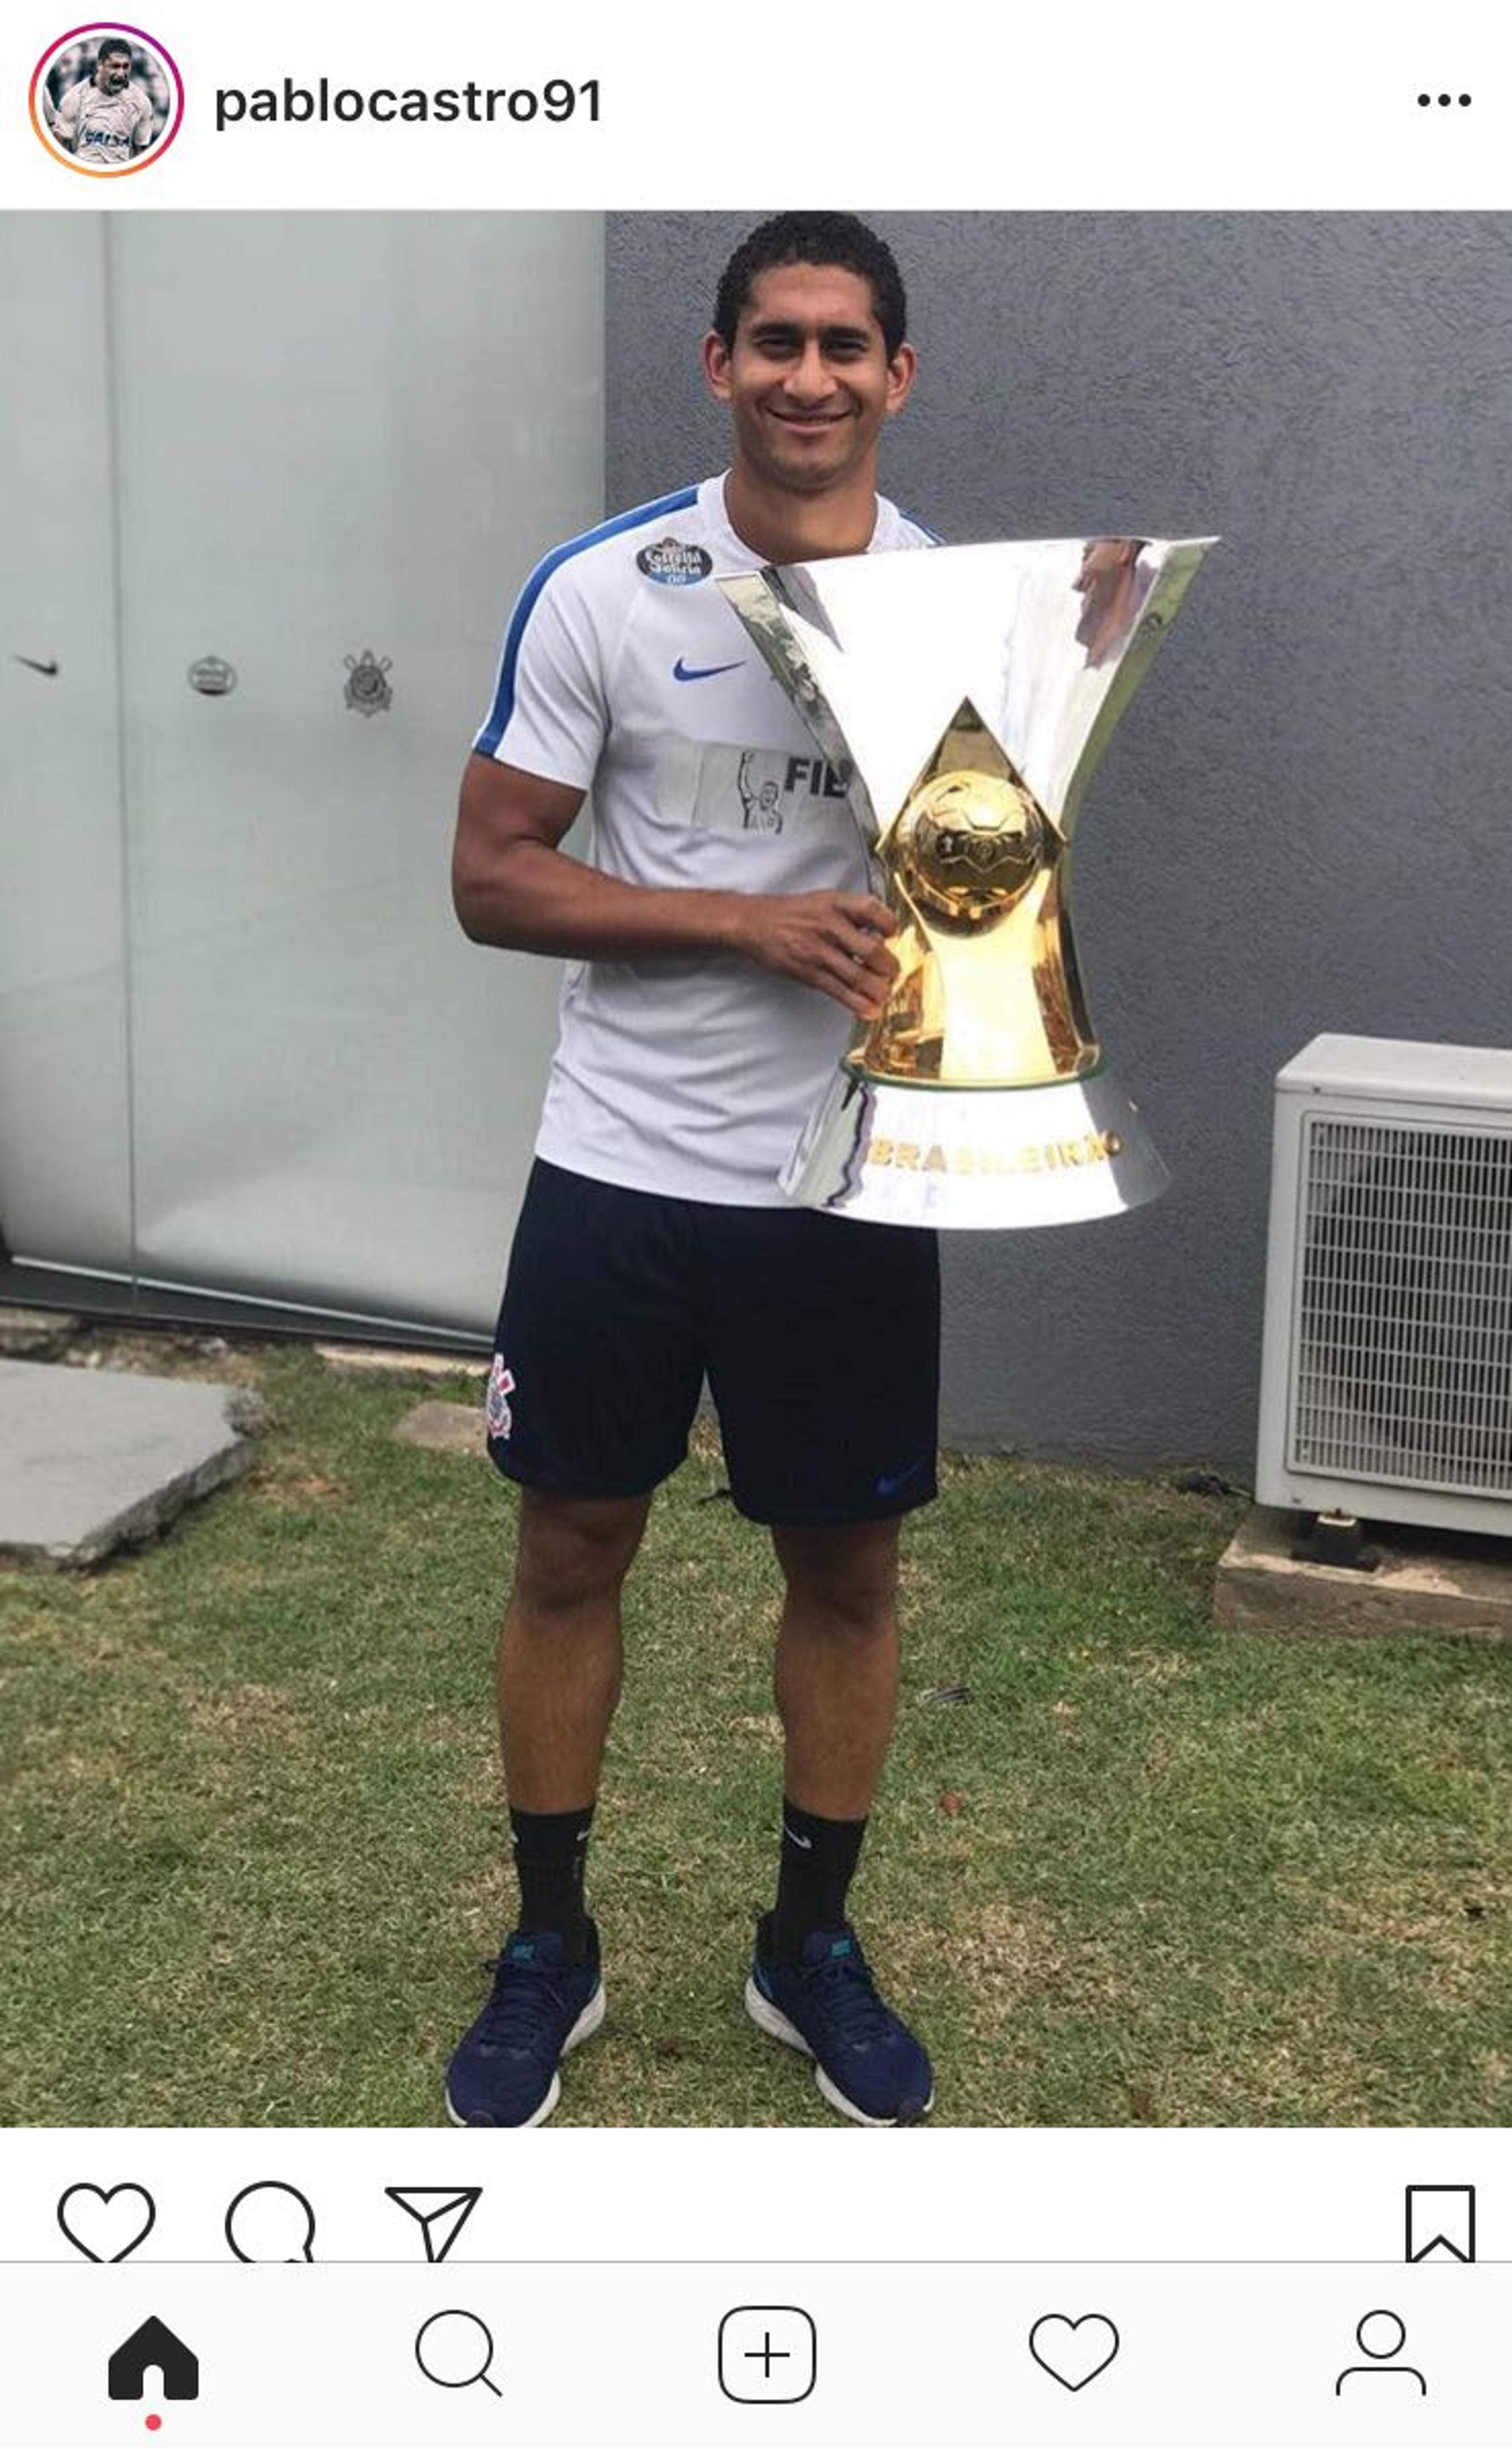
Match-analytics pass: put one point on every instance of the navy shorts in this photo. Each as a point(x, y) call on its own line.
point(819, 1338)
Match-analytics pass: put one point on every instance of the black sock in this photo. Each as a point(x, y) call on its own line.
point(818, 1857)
point(550, 1854)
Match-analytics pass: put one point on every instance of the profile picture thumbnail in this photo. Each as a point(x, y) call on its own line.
point(107, 100)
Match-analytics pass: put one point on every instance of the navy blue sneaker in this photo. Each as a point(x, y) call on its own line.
point(504, 2070)
point(865, 2061)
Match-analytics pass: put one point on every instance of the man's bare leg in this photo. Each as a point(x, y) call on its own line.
point(559, 1648)
point(837, 1662)
point(837, 1692)
point(559, 1680)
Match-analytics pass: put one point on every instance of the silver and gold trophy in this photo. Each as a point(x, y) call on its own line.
point(971, 691)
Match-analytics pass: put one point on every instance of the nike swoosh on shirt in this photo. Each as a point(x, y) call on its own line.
point(682, 671)
point(48, 671)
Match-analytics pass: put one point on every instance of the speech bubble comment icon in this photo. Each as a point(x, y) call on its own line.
point(270, 2222)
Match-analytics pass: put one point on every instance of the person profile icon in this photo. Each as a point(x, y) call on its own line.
point(1381, 2335)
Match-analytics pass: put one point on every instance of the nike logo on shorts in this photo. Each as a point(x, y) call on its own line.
point(682, 671)
point(888, 1486)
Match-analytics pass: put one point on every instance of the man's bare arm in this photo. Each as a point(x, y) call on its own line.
point(514, 887)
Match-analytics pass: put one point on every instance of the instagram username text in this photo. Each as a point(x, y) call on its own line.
point(292, 105)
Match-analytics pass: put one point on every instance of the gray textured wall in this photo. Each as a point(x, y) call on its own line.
point(1303, 821)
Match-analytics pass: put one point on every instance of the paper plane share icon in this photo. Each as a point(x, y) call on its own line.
point(443, 2212)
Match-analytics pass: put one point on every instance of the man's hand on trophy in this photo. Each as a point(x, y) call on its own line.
point(834, 941)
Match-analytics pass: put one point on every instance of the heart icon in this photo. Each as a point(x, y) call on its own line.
point(105, 2227)
point(1074, 2352)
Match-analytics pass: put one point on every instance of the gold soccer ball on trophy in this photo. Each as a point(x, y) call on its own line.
point(969, 846)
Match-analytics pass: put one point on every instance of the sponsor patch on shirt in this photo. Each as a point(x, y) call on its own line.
point(671, 563)
point(751, 790)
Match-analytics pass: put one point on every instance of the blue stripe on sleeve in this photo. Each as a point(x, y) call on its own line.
point(493, 730)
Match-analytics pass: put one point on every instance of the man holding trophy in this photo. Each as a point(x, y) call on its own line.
point(821, 996)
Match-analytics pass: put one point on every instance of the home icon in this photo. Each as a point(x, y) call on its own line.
point(154, 2345)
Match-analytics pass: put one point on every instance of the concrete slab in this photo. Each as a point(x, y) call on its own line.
point(1428, 1581)
point(92, 1457)
point(445, 1428)
point(398, 1360)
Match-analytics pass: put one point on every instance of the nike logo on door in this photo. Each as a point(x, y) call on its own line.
point(682, 671)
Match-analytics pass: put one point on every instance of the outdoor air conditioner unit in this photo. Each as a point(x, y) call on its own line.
point(1385, 1380)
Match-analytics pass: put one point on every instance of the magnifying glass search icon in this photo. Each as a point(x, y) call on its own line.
point(454, 2349)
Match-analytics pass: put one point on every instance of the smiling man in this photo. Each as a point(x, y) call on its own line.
point(723, 944)
point(106, 120)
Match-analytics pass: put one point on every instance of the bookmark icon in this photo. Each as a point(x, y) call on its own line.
point(1441, 2223)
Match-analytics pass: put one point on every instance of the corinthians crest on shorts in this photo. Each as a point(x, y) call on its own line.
point(501, 1386)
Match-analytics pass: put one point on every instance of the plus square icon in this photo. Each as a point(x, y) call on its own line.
point(768, 2355)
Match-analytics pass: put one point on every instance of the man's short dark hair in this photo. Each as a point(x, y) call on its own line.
point(112, 44)
point(820, 239)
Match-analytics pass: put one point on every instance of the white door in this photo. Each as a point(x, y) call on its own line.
point(65, 1091)
point(341, 442)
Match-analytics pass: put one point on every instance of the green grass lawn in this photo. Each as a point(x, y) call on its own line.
point(1143, 1873)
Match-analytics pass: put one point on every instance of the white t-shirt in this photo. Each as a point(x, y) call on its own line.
point(103, 127)
point(624, 669)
